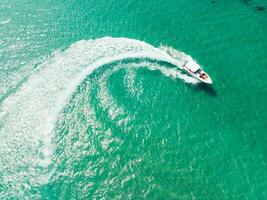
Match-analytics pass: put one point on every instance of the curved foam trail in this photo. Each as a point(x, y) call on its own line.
point(28, 116)
point(106, 100)
point(175, 53)
point(129, 81)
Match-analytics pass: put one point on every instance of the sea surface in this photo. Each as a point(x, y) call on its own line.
point(94, 105)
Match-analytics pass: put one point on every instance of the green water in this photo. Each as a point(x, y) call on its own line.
point(136, 127)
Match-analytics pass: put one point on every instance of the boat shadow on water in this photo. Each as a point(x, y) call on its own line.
point(206, 88)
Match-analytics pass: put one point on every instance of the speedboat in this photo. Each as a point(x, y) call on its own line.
point(193, 69)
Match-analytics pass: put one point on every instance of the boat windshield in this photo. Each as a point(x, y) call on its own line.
point(198, 71)
point(193, 66)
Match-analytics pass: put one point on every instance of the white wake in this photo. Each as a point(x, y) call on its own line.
point(28, 116)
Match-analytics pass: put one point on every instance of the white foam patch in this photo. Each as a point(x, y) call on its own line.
point(106, 100)
point(5, 21)
point(129, 81)
point(27, 117)
point(179, 55)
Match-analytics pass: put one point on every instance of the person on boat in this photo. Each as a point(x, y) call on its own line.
point(204, 76)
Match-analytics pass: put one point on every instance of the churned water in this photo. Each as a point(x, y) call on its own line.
point(94, 105)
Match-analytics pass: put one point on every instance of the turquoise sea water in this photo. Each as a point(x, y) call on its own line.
point(93, 106)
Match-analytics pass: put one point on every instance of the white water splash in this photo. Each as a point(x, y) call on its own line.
point(28, 116)
point(5, 21)
point(106, 100)
point(175, 53)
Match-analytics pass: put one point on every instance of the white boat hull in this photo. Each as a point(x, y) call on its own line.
point(193, 69)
